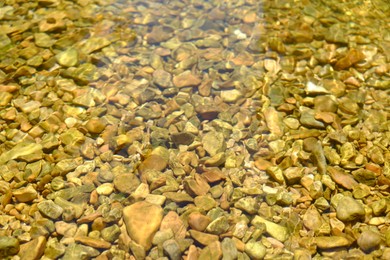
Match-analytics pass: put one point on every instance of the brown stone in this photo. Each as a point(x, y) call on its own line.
point(93, 242)
point(203, 238)
point(153, 162)
point(198, 221)
point(33, 249)
point(186, 79)
point(196, 186)
point(173, 221)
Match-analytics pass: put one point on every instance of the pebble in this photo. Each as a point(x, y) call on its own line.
point(198, 221)
point(105, 189)
point(255, 249)
point(213, 142)
point(349, 209)
point(126, 182)
point(275, 230)
point(50, 209)
point(93, 242)
point(229, 249)
point(142, 221)
point(186, 79)
point(26, 194)
point(173, 222)
point(369, 240)
point(331, 242)
point(8, 246)
point(172, 249)
point(203, 238)
point(33, 249)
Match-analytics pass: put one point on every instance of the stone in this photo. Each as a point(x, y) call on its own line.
point(172, 249)
point(275, 230)
point(142, 221)
point(110, 233)
point(76, 251)
point(54, 249)
point(348, 209)
point(196, 186)
point(214, 142)
point(153, 162)
point(26, 194)
point(255, 249)
point(161, 236)
point(203, 238)
point(172, 221)
point(93, 242)
point(183, 138)
point(50, 209)
point(205, 202)
point(369, 240)
point(33, 249)
point(162, 78)
point(331, 242)
point(186, 79)
point(198, 221)
point(126, 182)
point(20, 150)
point(105, 189)
point(68, 58)
point(9, 246)
point(229, 249)
point(212, 251)
point(95, 125)
point(218, 226)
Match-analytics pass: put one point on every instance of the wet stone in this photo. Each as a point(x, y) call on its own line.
point(255, 249)
point(54, 249)
point(213, 142)
point(68, 58)
point(172, 249)
point(229, 249)
point(198, 221)
point(25, 194)
point(33, 249)
point(218, 226)
point(162, 78)
point(369, 240)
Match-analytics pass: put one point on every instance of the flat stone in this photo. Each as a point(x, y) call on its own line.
point(178, 197)
point(348, 209)
point(142, 221)
point(345, 180)
point(50, 209)
point(205, 202)
point(20, 150)
point(76, 251)
point(203, 238)
point(218, 226)
point(105, 189)
point(186, 79)
point(68, 58)
point(183, 138)
point(196, 186)
point(126, 182)
point(153, 162)
point(162, 78)
point(229, 249)
point(93, 242)
point(331, 242)
point(54, 249)
point(248, 204)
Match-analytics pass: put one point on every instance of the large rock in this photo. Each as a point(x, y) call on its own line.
point(142, 221)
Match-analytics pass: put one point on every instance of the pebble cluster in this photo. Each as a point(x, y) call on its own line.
point(194, 129)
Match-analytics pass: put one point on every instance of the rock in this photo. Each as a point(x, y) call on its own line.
point(213, 175)
point(255, 249)
point(212, 251)
point(76, 251)
point(172, 249)
point(218, 226)
point(68, 58)
point(229, 249)
point(331, 242)
point(186, 79)
point(173, 222)
point(25, 194)
point(159, 34)
point(33, 249)
point(20, 150)
point(95, 125)
point(214, 142)
point(105, 189)
point(231, 96)
point(203, 238)
point(50, 209)
point(54, 249)
point(345, 180)
point(126, 182)
point(183, 138)
point(162, 78)
point(276, 231)
point(198, 221)
point(92, 242)
point(162, 235)
point(153, 162)
point(369, 240)
point(110, 233)
point(274, 123)
point(205, 202)
point(8, 246)
point(142, 221)
point(349, 209)
point(196, 186)
point(248, 204)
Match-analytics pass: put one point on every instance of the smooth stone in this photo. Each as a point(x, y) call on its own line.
point(142, 221)
point(173, 222)
point(186, 79)
point(348, 209)
point(218, 226)
point(162, 78)
point(231, 96)
point(183, 138)
point(95, 125)
point(161, 236)
point(22, 149)
point(54, 249)
point(50, 209)
point(33, 249)
point(255, 249)
point(111, 233)
point(172, 249)
point(331, 242)
point(126, 182)
point(153, 162)
point(76, 251)
point(93, 242)
point(8, 246)
point(205, 202)
point(369, 240)
point(105, 189)
point(68, 58)
point(247, 204)
point(196, 186)
point(275, 230)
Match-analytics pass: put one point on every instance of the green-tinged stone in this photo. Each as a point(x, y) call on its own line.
point(78, 209)
point(43, 40)
point(214, 142)
point(83, 74)
point(205, 202)
point(275, 230)
point(5, 42)
point(111, 233)
point(68, 58)
point(69, 193)
point(24, 148)
point(172, 249)
point(54, 249)
point(8, 246)
point(229, 249)
point(162, 235)
point(349, 209)
point(50, 209)
point(255, 249)
point(50, 142)
point(248, 204)
point(94, 44)
point(76, 251)
point(25, 194)
point(219, 226)
point(72, 137)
